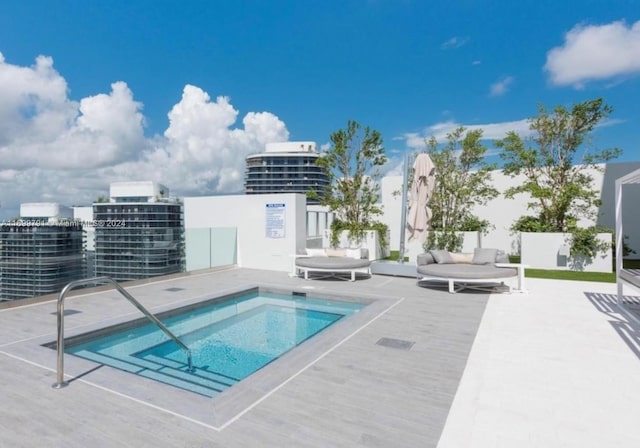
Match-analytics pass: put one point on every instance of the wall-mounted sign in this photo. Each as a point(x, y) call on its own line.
point(275, 222)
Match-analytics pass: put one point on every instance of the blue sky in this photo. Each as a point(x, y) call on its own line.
point(181, 92)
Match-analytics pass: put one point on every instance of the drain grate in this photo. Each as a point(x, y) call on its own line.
point(174, 289)
point(395, 343)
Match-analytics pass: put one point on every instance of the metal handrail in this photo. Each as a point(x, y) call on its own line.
point(60, 383)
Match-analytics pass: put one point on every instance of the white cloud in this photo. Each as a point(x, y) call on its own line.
point(595, 52)
point(454, 42)
point(206, 154)
point(55, 149)
point(34, 101)
point(491, 131)
point(501, 86)
point(41, 127)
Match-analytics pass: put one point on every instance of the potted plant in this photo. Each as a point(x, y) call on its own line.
point(561, 187)
point(352, 165)
point(462, 180)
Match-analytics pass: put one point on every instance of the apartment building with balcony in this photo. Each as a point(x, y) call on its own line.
point(285, 167)
point(40, 252)
point(139, 232)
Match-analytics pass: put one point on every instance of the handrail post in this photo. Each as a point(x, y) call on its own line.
point(60, 383)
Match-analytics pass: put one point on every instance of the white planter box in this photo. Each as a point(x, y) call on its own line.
point(369, 241)
point(551, 251)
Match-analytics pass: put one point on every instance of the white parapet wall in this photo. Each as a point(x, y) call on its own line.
point(502, 212)
point(552, 251)
point(270, 228)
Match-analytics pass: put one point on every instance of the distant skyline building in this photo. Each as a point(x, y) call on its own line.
point(84, 215)
point(285, 167)
point(138, 233)
point(41, 252)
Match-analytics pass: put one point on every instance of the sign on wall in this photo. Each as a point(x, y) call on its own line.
point(275, 222)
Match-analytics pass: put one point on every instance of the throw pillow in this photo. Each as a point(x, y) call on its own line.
point(335, 252)
point(442, 256)
point(484, 256)
point(461, 258)
point(425, 258)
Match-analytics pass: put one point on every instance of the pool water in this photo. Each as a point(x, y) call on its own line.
point(229, 340)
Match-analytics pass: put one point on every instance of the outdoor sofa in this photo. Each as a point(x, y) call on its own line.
point(333, 263)
point(482, 269)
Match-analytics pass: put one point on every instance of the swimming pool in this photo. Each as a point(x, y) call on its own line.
point(229, 338)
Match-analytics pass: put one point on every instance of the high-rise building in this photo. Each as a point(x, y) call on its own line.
point(287, 167)
point(138, 233)
point(41, 252)
point(84, 215)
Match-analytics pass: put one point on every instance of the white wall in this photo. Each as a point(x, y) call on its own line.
point(248, 214)
point(502, 212)
point(551, 251)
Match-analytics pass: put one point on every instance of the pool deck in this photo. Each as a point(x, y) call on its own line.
point(558, 367)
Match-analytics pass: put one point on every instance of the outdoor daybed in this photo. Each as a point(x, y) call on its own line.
point(333, 262)
point(483, 268)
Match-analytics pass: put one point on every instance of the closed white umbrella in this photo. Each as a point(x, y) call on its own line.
point(421, 192)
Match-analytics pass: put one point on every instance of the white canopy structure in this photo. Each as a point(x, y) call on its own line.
point(630, 277)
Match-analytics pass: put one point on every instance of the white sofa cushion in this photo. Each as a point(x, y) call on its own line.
point(317, 253)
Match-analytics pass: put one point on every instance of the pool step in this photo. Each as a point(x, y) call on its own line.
point(166, 371)
point(222, 380)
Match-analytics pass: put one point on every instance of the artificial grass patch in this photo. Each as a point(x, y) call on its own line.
point(394, 255)
point(604, 277)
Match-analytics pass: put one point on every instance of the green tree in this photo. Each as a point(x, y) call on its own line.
point(558, 182)
point(463, 180)
point(352, 165)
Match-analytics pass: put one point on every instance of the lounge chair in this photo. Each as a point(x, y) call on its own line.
point(481, 270)
point(333, 263)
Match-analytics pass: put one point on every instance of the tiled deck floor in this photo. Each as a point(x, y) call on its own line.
point(359, 394)
point(559, 367)
point(556, 367)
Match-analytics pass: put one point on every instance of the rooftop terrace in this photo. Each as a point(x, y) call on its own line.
point(556, 367)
